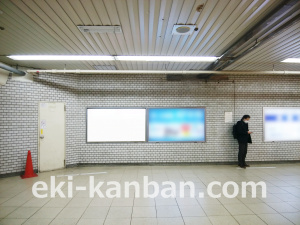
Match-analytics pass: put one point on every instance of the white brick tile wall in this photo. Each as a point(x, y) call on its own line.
point(246, 95)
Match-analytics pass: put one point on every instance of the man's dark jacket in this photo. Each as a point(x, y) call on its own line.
point(242, 132)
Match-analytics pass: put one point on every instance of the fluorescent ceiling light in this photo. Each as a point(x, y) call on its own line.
point(123, 58)
point(291, 60)
point(168, 58)
point(60, 57)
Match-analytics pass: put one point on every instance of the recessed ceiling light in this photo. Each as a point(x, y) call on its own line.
point(291, 60)
point(168, 58)
point(123, 58)
point(61, 57)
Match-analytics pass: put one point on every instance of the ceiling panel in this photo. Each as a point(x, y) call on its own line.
point(50, 27)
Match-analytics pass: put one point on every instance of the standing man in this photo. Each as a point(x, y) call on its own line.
point(243, 137)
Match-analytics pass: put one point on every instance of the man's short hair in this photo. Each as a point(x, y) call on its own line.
point(245, 117)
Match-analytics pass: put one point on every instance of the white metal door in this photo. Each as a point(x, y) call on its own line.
point(51, 136)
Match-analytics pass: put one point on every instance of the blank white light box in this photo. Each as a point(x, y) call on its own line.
point(281, 123)
point(116, 125)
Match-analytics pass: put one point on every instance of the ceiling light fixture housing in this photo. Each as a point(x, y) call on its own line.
point(62, 57)
point(112, 58)
point(168, 58)
point(291, 60)
point(100, 29)
point(183, 29)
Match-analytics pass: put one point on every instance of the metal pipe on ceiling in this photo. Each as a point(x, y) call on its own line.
point(188, 72)
point(11, 69)
point(284, 15)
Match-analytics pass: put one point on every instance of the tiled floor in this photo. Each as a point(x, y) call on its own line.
point(282, 205)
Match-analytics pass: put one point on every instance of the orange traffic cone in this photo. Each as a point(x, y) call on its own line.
point(29, 168)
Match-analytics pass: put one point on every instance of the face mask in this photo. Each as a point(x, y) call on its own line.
point(246, 121)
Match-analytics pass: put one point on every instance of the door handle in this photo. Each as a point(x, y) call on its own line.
point(41, 136)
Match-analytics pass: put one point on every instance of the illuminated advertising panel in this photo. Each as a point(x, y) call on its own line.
point(281, 124)
point(176, 124)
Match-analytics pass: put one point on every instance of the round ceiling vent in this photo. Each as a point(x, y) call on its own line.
point(183, 29)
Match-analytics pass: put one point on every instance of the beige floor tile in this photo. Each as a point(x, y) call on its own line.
point(22, 213)
point(293, 217)
point(144, 202)
point(36, 202)
point(283, 207)
point(249, 220)
point(271, 198)
point(38, 221)
point(122, 202)
point(250, 200)
point(165, 202)
point(9, 193)
point(274, 219)
point(143, 221)
point(144, 212)
point(196, 220)
point(16, 201)
point(70, 213)
point(64, 221)
point(168, 211)
point(295, 204)
point(288, 197)
point(260, 208)
point(191, 210)
point(79, 202)
point(101, 202)
point(47, 213)
point(96, 212)
point(12, 221)
point(57, 202)
point(227, 201)
point(5, 210)
point(208, 201)
point(90, 222)
point(238, 209)
point(117, 221)
point(2, 200)
point(83, 194)
point(116, 212)
point(170, 221)
point(223, 220)
point(215, 210)
point(187, 201)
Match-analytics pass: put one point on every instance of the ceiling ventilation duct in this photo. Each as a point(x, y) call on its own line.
point(179, 77)
point(100, 29)
point(183, 29)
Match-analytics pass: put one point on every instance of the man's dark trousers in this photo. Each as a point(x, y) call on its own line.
point(242, 153)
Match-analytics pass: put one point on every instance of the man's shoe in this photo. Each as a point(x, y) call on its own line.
point(244, 167)
point(247, 165)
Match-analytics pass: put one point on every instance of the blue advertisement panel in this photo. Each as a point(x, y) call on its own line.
point(281, 124)
point(176, 125)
